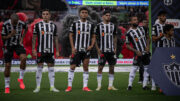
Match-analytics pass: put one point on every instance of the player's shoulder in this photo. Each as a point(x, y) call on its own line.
point(21, 22)
point(7, 22)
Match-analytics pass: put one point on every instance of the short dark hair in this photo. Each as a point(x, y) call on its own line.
point(14, 16)
point(162, 13)
point(45, 10)
point(106, 11)
point(83, 8)
point(130, 18)
point(167, 27)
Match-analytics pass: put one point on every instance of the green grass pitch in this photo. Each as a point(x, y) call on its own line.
point(121, 81)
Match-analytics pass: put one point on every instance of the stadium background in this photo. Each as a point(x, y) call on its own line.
point(30, 12)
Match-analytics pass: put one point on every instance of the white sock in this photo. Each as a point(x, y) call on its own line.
point(70, 77)
point(7, 82)
point(111, 79)
point(21, 74)
point(132, 75)
point(85, 78)
point(51, 75)
point(153, 83)
point(146, 75)
point(38, 76)
point(99, 79)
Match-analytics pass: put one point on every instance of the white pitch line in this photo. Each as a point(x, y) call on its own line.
point(66, 69)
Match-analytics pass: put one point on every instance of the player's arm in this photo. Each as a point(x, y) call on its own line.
point(93, 40)
point(71, 33)
point(97, 40)
point(35, 32)
point(72, 42)
point(56, 41)
point(154, 34)
point(24, 33)
point(128, 40)
point(115, 40)
point(5, 34)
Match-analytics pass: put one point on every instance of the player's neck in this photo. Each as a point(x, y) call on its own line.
point(162, 23)
point(168, 36)
point(83, 20)
point(134, 27)
point(46, 21)
point(106, 22)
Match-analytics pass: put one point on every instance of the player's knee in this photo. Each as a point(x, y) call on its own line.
point(23, 59)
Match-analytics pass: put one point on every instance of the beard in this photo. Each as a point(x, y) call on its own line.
point(135, 25)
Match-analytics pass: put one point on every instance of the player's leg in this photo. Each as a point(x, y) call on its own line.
point(85, 74)
point(22, 54)
point(132, 75)
point(22, 70)
point(40, 61)
point(51, 75)
point(101, 63)
point(7, 76)
point(8, 54)
point(146, 77)
point(74, 61)
point(111, 58)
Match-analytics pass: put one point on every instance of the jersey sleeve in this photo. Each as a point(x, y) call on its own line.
point(154, 30)
point(36, 29)
point(55, 30)
point(72, 28)
point(128, 38)
point(4, 30)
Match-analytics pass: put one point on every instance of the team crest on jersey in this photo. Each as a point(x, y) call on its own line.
point(42, 32)
point(172, 71)
point(167, 2)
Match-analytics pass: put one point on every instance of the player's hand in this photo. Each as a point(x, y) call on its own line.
point(57, 54)
point(21, 42)
point(34, 53)
point(115, 50)
point(13, 32)
point(74, 50)
point(147, 49)
point(89, 48)
point(138, 53)
point(99, 51)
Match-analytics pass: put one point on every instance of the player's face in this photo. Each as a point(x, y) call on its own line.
point(162, 18)
point(134, 20)
point(107, 17)
point(14, 22)
point(171, 32)
point(145, 23)
point(83, 14)
point(46, 15)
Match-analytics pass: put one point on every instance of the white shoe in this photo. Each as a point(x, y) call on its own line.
point(53, 89)
point(112, 88)
point(37, 90)
point(98, 88)
point(153, 88)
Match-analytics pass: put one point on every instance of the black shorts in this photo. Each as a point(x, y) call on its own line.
point(8, 52)
point(45, 57)
point(79, 57)
point(109, 57)
point(142, 60)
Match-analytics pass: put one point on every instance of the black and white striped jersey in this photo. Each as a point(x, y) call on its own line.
point(105, 33)
point(8, 27)
point(137, 37)
point(82, 34)
point(45, 33)
point(165, 42)
point(157, 30)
